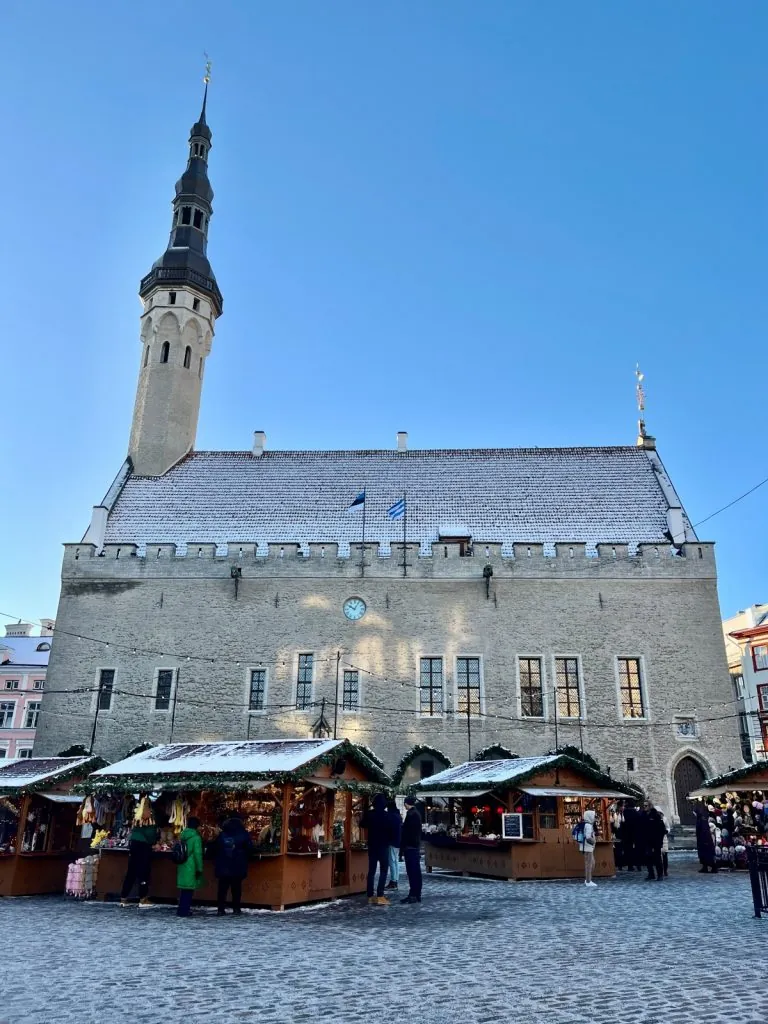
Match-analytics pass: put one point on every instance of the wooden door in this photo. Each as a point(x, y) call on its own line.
point(688, 776)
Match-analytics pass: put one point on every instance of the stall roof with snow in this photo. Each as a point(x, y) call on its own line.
point(229, 765)
point(34, 774)
point(477, 777)
point(751, 776)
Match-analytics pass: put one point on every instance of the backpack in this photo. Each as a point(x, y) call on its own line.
point(179, 852)
point(577, 832)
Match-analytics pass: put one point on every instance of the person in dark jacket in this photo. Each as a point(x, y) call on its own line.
point(410, 848)
point(377, 825)
point(653, 832)
point(705, 843)
point(143, 838)
point(632, 854)
point(231, 849)
point(395, 830)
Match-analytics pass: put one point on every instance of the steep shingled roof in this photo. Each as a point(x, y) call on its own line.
point(502, 495)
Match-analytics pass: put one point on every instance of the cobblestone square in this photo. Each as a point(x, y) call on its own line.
point(475, 951)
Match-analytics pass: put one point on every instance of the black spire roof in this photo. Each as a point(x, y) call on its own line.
point(185, 261)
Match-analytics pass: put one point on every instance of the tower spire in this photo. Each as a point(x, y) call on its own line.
point(644, 439)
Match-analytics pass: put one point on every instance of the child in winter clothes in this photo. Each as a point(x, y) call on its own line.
point(189, 874)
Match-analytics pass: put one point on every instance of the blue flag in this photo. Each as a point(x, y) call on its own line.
point(359, 500)
point(397, 511)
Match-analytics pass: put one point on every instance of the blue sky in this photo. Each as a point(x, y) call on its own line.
point(466, 220)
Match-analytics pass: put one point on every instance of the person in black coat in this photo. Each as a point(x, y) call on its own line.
point(653, 832)
point(705, 843)
point(632, 856)
point(231, 850)
point(410, 848)
point(376, 822)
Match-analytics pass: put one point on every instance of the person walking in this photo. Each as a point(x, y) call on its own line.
point(410, 849)
point(705, 843)
point(143, 838)
point(231, 849)
point(587, 845)
point(395, 832)
point(376, 823)
point(189, 873)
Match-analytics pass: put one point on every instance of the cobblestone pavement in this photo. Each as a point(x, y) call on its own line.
point(476, 951)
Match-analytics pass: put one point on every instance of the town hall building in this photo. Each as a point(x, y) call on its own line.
point(431, 604)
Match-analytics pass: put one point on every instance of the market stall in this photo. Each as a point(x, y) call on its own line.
point(514, 818)
point(38, 837)
point(737, 812)
point(300, 801)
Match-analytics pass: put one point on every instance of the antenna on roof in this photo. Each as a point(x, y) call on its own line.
point(644, 440)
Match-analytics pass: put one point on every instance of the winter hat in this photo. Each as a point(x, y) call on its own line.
point(410, 801)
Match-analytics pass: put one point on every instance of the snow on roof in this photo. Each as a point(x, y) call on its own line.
point(500, 495)
point(489, 773)
point(24, 651)
point(25, 772)
point(254, 757)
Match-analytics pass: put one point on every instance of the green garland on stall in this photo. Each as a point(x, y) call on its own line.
point(736, 774)
point(414, 752)
point(138, 750)
point(92, 764)
point(76, 750)
point(495, 752)
point(370, 754)
point(578, 755)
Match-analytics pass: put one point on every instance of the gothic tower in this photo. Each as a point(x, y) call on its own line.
point(181, 302)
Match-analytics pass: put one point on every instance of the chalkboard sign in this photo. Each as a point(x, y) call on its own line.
point(511, 826)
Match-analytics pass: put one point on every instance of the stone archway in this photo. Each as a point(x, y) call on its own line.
point(687, 776)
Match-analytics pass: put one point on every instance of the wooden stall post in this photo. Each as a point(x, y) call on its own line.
point(287, 797)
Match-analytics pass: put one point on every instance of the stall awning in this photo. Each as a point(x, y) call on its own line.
point(454, 792)
point(590, 794)
point(314, 780)
point(62, 798)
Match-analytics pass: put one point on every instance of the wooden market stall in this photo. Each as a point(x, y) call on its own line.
point(514, 818)
point(300, 800)
point(736, 806)
point(38, 838)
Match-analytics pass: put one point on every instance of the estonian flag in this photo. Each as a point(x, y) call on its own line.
point(359, 500)
point(397, 511)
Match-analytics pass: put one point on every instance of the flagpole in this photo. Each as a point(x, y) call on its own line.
point(405, 534)
point(362, 551)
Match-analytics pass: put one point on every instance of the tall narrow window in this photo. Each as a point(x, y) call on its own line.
point(165, 351)
point(631, 688)
point(304, 681)
point(198, 219)
point(531, 692)
point(7, 710)
point(172, 298)
point(200, 368)
point(106, 686)
point(32, 715)
point(256, 698)
point(146, 355)
point(351, 699)
point(195, 304)
point(431, 686)
point(186, 214)
point(164, 688)
point(187, 357)
point(567, 682)
point(468, 685)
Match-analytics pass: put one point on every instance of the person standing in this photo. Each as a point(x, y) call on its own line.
point(376, 823)
point(705, 843)
point(395, 832)
point(143, 838)
point(232, 849)
point(654, 830)
point(587, 846)
point(189, 874)
point(410, 848)
point(632, 857)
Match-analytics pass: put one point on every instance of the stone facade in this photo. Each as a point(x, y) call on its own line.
point(213, 629)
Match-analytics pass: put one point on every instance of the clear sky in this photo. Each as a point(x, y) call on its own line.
point(465, 220)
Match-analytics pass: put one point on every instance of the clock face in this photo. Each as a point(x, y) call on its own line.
point(354, 608)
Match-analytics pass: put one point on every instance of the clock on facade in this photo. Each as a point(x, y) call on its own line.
point(354, 608)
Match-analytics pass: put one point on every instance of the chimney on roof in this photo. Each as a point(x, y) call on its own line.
point(19, 629)
point(402, 440)
point(46, 627)
point(259, 442)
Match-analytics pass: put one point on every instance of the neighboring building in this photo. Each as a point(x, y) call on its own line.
point(746, 645)
point(23, 668)
point(529, 597)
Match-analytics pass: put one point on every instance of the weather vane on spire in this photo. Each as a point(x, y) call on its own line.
point(639, 390)
point(207, 75)
point(644, 439)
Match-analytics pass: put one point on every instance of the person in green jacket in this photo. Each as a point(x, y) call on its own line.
point(143, 838)
point(189, 875)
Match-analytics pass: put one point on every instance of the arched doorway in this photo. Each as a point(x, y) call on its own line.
point(688, 776)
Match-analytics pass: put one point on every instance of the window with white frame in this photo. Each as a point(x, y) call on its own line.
point(351, 697)
point(164, 689)
point(631, 688)
point(760, 657)
point(38, 684)
point(531, 689)
point(32, 714)
point(7, 711)
point(762, 696)
point(568, 689)
point(106, 688)
point(257, 695)
point(11, 684)
point(431, 686)
point(468, 686)
point(24, 752)
point(304, 679)
point(3, 751)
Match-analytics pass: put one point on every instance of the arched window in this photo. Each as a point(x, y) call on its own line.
point(165, 351)
point(146, 355)
point(187, 357)
point(45, 646)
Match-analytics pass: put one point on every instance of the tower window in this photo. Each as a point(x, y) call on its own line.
point(172, 298)
point(186, 214)
point(165, 351)
point(199, 219)
point(200, 369)
point(195, 304)
point(175, 217)
point(146, 355)
point(187, 357)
